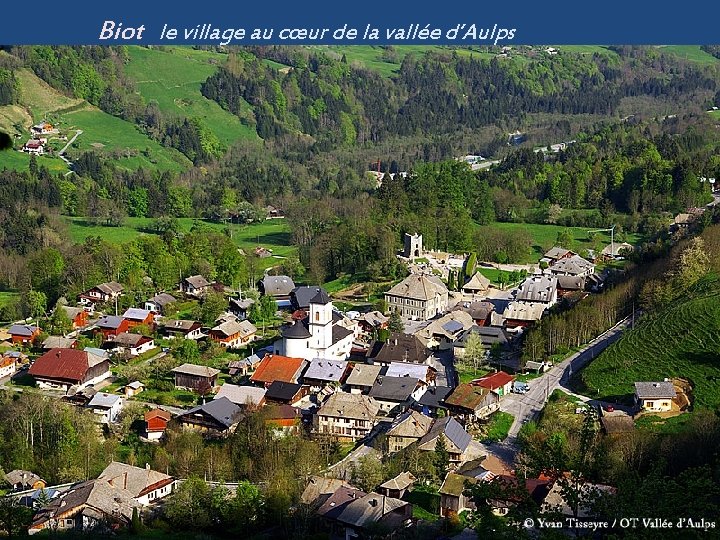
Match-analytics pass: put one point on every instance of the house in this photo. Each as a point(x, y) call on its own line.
point(499, 383)
point(23, 334)
point(570, 284)
point(433, 400)
point(300, 297)
point(182, 329)
point(418, 297)
point(471, 403)
point(479, 311)
point(394, 394)
point(159, 302)
point(423, 372)
point(616, 250)
point(194, 377)
point(156, 422)
point(100, 294)
point(233, 333)
point(285, 418)
point(279, 287)
point(106, 407)
point(523, 314)
point(400, 348)
point(144, 484)
point(442, 333)
point(93, 505)
point(452, 494)
point(321, 372)
point(63, 368)
point(586, 494)
point(323, 333)
point(8, 365)
point(398, 486)
point(240, 307)
point(20, 480)
point(655, 396)
point(43, 128)
point(284, 393)
point(407, 428)
point(243, 396)
point(59, 342)
point(275, 367)
point(217, 417)
point(332, 505)
point(556, 254)
point(370, 322)
point(195, 285)
point(457, 440)
point(245, 366)
point(477, 285)
point(489, 336)
point(136, 317)
point(319, 488)
point(77, 315)
point(362, 378)
point(80, 397)
point(572, 266)
point(132, 344)
point(541, 289)
point(112, 325)
point(374, 511)
point(349, 417)
point(34, 146)
point(133, 388)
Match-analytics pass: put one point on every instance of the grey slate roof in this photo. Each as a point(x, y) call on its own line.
point(339, 333)
point(26, 478)
point(111, 287)
point(537, 289)
point(401, 348)
point(322, 369)
point(419, 287)
point(223, 410)
point(393, 388)
point(655, 390)
point(557, 252)
point(136, 314)
point(321, 297)
point(232, 327)
point(277, 285)
point(405, 369)
point(241, 395)
point(22, 330)
point(571, 283)
point(162, 299)
point(363, 375)
point(410, 424)
point(353, 406)
point(296, 330)
point(58, 342)
point(478, 282)
point(103, 400)
point(109, 321)
point(282, 391)
point(402, 481)
point(197, 281)
point(126, 339)
point(136, 480)
point(369, 509)
point(434, 396)
point(194, 369)
point(573, 266)
point(453, 431)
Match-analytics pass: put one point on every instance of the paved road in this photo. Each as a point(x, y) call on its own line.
point(61, 153)
point(525, 407)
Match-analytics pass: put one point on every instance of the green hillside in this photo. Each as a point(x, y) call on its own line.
point(692, 53)
point(172, 77)
point(682, 340)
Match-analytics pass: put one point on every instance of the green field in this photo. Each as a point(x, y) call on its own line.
point(19, 161)
point(172, 76)
point(682, 340)
point(693, 53)
point(498, 428)
point(273, 234)
point(715, 114)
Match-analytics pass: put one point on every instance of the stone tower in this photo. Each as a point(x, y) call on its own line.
point(413, 245)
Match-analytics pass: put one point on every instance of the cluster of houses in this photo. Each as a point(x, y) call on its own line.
point(39, 137)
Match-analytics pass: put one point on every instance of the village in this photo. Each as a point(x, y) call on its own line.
point(439, 371)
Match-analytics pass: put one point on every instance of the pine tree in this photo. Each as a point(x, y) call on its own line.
point(442, 457)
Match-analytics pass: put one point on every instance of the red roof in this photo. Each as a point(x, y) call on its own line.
point(277, 368)
point(66, 364)
point(496, 380)
point(157, 413)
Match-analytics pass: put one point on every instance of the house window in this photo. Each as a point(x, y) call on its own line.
point(317, 316)
point(649, 404)
point(68, 522)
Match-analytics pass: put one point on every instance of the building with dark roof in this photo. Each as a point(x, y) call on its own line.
point(65, 368)
point(400, 348)
point(433, 400)
point(217, 417)
point(159, 302)
point(322, 371)
point(300, 296)
point(456, 438)
point(285, 393)
point(655, 396)
point(195, 377)
point(375, 511)
point(279, 287)
point(394, 394)
point(112, 325)
point(23, 333)
point(195, 285)
point(471, 403)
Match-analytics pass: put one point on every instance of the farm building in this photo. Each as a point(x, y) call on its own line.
point(64, 368)
point(194, 377)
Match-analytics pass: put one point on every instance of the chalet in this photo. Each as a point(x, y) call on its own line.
point(195, 285)
point(243, 396)
point(34, 147)
point(194, 377)
point(23, 334)
point(136, 317)
point(479, 311)
point(616, 250)
point(331, 505)
point(156, 422)
point(274, 212)
point(63, 368)
point(106, 407)
point(43, 128)
point(144, 484)
point(218, 417)
point(556, 254)
point(285, 418)
point(346, 416)
point(283, 393)
point(112, 325)
point(159, 302)
point(100, 294)
point(583, 497)
point(499, 383)
point(245, 366)
point(570, 284)
point(407, 428)
point(394, 394)
point(539, 289)
point(477, 285)
point(93, 505)
point(397, 487)
point(452, 494)
point(443, 332)
point(471, 403)
point(131, 344)
point(655, 396)
point(418, 297)
point(523, 314)
point(321, 372)
point(279, 287)
point(240, 307)
point(422, 372)
point(371, 322)
point(233, 333)
point(20, 480)
point(182, 329)
point(433, 400)
point(59, 342)
point(8, 365)
point(489, 336)
point(133, 388)
point(319, 488)
point(457, 440)
point(77, 315)
point(278, 368)
point(374, 511)
point(300, 297)
point(572, 266)
point(400, 348)
point(362, 378)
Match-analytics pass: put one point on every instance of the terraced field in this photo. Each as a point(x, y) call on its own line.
point(681, 341)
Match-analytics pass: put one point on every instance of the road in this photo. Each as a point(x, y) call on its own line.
point(61, 153)
point(525, 407)
point(343, 468)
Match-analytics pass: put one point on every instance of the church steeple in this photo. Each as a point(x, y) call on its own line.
point(320, 323)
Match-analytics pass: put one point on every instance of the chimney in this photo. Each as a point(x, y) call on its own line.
point(147, 466)
point(125, 480)
point(373, 502)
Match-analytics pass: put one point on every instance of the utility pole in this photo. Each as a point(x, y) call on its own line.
point(611, 230)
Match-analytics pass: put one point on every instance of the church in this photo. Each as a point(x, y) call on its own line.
point(321, 334)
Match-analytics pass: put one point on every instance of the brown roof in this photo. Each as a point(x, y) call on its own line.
point(278, 368)
point(402, 348)
point(467, 396)
point(66, 364)
point(157, 413)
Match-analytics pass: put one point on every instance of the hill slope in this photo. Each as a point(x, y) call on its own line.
point(683, 340)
